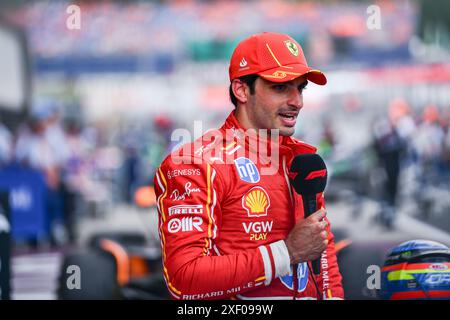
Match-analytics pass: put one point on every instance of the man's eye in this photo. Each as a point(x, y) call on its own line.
point(303, 86)
point(279, 87)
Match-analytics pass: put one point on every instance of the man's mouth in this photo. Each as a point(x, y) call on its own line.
point(288, 118)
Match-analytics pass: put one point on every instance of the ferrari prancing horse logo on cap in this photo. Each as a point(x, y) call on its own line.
point(292, 47)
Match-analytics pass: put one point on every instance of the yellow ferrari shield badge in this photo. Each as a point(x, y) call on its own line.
point(292, 47)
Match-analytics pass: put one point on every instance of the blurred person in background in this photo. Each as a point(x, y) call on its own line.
point(131, 171)
point(402, 119)
point(56, 135)
point(390, 135)
point(446, 147)
point(35, 149)
point(74, 173)
point(328, 140)
point(161, 143)
point(131, 142)
point(229, 231)
point(6, 145)
point(428, 143)
point(68, 153)
point(143, 151)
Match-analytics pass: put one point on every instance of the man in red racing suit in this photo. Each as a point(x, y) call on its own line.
point(230, 224)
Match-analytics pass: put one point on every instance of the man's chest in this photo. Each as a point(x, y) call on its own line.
point(258, 207)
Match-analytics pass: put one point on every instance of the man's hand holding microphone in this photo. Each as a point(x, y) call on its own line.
point(308, 239)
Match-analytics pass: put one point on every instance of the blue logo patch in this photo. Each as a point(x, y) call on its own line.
point(247, 170)
point(302, 277)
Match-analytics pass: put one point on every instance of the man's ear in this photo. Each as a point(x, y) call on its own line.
point(240, 90)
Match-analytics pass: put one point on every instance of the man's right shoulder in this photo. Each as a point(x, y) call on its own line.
point(206, 149)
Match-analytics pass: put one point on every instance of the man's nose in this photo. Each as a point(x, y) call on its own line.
point(295, 99)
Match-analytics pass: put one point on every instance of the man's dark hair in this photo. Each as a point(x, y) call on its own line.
point(250, 81)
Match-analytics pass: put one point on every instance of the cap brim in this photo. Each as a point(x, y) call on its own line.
point(291, 72)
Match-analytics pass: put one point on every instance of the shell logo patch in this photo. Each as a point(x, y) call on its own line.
point(256, 202)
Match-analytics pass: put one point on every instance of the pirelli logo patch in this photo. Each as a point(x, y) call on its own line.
point(186, 209)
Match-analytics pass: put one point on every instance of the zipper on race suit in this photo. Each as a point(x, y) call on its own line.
point(295, 279)
point(291, 195)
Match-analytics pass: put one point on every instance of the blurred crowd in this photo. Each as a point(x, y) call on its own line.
point(416, 141)
point(181, 31)
point(412, 152)
point(86, 168)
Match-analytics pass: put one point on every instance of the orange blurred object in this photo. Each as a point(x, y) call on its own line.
point(145, 197)
point(162, 122)
point(122, 260)
point(397, 109)
point(138, 267)
point(430, 114)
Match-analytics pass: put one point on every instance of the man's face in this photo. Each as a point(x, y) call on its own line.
point(276, 105)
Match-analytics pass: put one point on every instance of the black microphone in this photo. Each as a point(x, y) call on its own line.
point(310, 180)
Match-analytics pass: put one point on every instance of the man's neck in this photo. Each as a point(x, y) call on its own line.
point(242, 117)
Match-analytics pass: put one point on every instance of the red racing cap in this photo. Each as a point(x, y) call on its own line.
point(273, 56)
